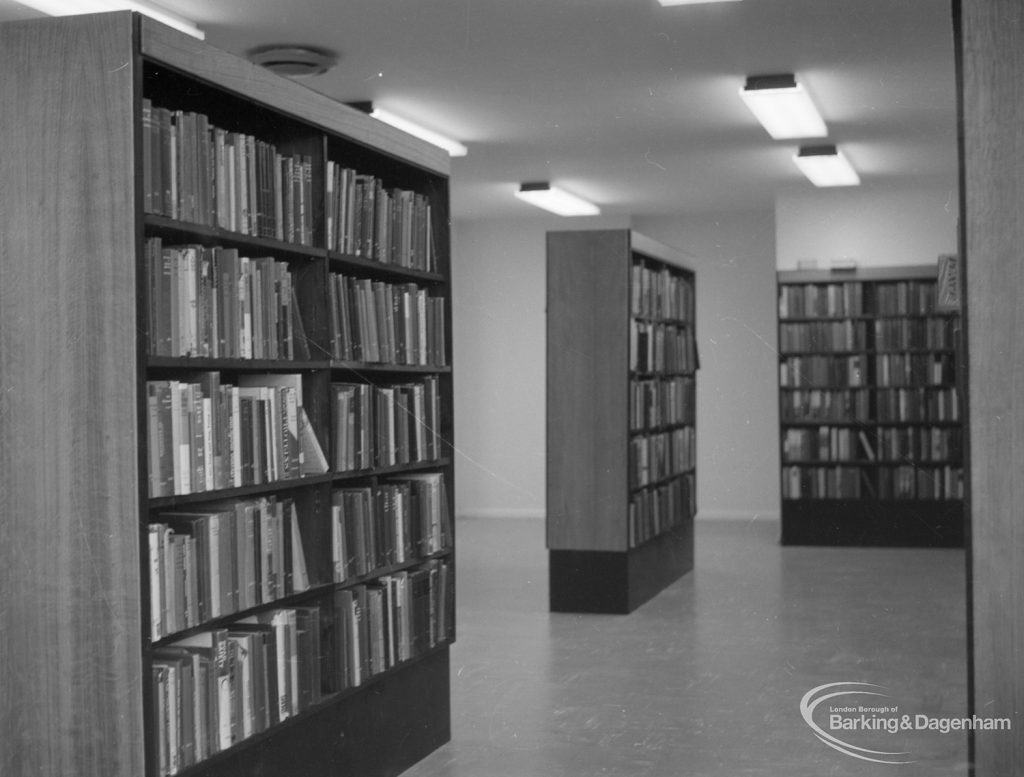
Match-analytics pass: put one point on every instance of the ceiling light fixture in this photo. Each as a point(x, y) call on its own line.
point(453, 147)
point(557, 201)
point(783, 107)
point(294, 61)
point(826, 166)
point(152, 10)
point(667, 3)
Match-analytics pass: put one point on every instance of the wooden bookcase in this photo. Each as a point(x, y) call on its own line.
point(621, 372)
point(870, 411)
point(93, 335)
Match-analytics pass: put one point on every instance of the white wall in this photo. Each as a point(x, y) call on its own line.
point(737, 405)
point(873, 226)
point(499, 333)
point(499, 269)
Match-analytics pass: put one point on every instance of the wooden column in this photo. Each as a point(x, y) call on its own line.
point(992, 49)
point(70, 659)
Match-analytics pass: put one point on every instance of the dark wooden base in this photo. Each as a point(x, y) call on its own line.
point(617, 582)
point(380, 731)
point(873, 523)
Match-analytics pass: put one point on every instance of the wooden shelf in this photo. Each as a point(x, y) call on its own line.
point(599, 528)
point(867, 520)
point(82, 586)
point(208, 235)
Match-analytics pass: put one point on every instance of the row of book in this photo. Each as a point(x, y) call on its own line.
point(905, 298)
point(915, 369)
point(826, 443)
point(203, 174)
point(658, 292)
point(823, 371)
point(655, 457)
point(217, 688)
point(832, 443)
point(392, 619)
point(917, 404)
point(937, 444)
point(391, 323)
point(854, 298)
point(654, 511)
point(826, 405)
point(890, 334)
point(212, 302)
point(884, 404)
point(204, 435)
point(223, 558)
point(385, 426)
point(901, 482)
point(373, 527)
point(657, 347)
point(845, 335)
point(657, 402)
point(890, 369)
point(821, 300)
point(366, 219)
point(897, 334)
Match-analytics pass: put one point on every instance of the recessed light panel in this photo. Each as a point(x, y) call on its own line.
point(826, 166)
point(783, 107)
point(555, 200)
point(453, 147)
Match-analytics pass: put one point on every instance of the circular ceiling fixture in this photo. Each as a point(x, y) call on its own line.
point(294, 61)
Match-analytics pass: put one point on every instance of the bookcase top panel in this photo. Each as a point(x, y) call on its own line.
point(860, 274)
point(642, 244)
point(177, 50)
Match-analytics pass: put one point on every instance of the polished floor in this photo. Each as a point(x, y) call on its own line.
point(706, 679)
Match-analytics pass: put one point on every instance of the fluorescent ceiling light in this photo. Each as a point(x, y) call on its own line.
point(152, 10)
point(453, 147)
point(556, 200)
point(667, 3)
point(783, 107)
point(826, 166)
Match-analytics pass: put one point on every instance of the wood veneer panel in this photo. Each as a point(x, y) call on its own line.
point(993, 124)
point(70, 656)
point(882, 523)
point(587, 389)
point(186, 53)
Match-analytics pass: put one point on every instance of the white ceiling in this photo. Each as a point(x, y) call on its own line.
point(625, 102)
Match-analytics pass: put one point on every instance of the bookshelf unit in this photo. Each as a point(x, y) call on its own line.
point(869, 408)
point(621, 374)
point(226, 471)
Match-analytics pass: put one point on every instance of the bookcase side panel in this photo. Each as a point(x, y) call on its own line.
point(70, 658)
point(587, 390)
point(992, 200)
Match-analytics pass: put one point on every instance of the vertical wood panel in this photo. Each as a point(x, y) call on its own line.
point(587, 382)
point(993, 116)
point(70, 655)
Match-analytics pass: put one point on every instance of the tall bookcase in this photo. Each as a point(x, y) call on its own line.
point(226, 417)
point(871, 436)
point(621, 372)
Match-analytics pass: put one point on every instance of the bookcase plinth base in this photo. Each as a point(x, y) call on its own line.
point(617, 582)
point(380, 731)
point(893, 523)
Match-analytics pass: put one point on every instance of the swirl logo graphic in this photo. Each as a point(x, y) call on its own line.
point(816, 696)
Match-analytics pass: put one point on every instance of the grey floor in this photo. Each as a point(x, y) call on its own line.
point(706, 679)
